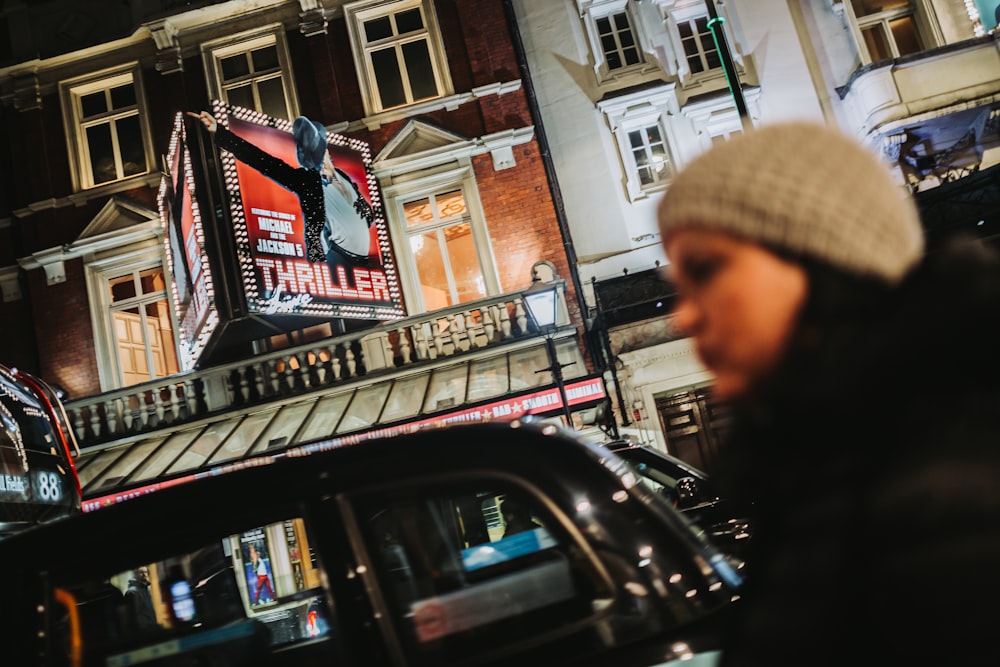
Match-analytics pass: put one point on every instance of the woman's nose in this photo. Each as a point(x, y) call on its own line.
point(684, 316)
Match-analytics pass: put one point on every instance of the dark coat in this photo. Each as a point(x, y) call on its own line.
point(142, 616)
point(874, 468)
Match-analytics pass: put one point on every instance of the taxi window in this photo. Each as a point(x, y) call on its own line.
point(477, 569)
point(230, 602)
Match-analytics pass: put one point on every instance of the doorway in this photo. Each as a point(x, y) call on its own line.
point(693, 424)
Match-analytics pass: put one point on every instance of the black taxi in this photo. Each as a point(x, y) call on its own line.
point(466, 545)
point(690, 490)
point(38, 480)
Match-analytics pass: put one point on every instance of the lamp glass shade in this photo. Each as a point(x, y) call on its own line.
point(541, 305)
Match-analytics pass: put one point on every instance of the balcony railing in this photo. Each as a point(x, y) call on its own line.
point(328, 363)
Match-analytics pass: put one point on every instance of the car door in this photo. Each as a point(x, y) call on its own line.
point(458, 579)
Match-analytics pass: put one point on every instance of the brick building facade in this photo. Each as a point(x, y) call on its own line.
point(57, 222)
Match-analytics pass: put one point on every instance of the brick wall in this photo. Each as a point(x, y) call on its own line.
point(64, 335)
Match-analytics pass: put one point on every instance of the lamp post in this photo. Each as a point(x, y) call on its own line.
point(541, 303)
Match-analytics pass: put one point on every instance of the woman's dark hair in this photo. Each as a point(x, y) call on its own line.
point(837, 298)
point(837, 305)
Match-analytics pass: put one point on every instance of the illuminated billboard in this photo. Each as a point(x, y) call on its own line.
point(306, 212)
point(192, 290)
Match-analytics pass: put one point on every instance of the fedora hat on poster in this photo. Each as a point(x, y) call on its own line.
point(310, 142)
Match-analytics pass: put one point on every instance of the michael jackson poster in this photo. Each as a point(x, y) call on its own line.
point(305, 208)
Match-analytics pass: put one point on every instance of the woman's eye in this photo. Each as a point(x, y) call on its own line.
point(700, 271)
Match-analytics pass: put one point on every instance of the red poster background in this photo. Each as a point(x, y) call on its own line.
point(261, 197)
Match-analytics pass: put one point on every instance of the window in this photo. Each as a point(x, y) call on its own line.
point(437, 226)
point(616, 39)
point(398, 51)
point(253, 71)
point(106, 128)
point(484, 554)
point(887, 29)
point(649, 154)
point(140, 320)
point(699, 46)
point(440, 235)
point(640, 123)
point(133, 327)
point(694, 48)
point(228, 602)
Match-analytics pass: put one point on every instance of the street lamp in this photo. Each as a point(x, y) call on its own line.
point(541, 304)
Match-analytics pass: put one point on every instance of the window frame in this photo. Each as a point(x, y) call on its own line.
point(357, 13)
point(702, 54)
point(640, 110)
point(283, 528)
point(928, 31)
point(462, 178)
point(215, 51)
point(353, 506)
point(690, 11)
point(99, 273)
point(591, 11)
point(71, 92)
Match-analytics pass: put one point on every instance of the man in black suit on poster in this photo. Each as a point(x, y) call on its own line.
point(337, 216)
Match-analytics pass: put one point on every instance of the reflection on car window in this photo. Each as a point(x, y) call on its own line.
point(229, 602)
point(652, 476)
point(467, 570)
point(655, 480)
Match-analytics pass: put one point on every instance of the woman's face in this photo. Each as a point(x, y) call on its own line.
point(738, 301)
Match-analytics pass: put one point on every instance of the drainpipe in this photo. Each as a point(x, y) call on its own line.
point(716, 24)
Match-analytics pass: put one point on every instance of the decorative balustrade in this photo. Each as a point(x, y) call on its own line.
point(330, 362)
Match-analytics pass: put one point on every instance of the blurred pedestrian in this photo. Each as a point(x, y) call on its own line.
point(139, 601)
point(864, 378)
point(517, 517)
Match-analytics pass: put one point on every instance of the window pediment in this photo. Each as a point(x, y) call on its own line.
point(117, 215)
point(416, 138)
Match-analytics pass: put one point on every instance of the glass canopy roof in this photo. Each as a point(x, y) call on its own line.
point(430, 395)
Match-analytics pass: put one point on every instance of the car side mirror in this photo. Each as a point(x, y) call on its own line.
point(688, 492)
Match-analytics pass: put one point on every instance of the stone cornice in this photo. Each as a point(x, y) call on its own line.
point(53, 260)
point(449, 103)
point(151, 180)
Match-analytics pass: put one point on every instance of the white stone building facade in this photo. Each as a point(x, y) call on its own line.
point(629, 91)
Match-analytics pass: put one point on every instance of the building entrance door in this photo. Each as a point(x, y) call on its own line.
point(693, 423)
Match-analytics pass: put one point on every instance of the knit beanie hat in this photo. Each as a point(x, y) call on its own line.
point(310, 142)
point(803, 188)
